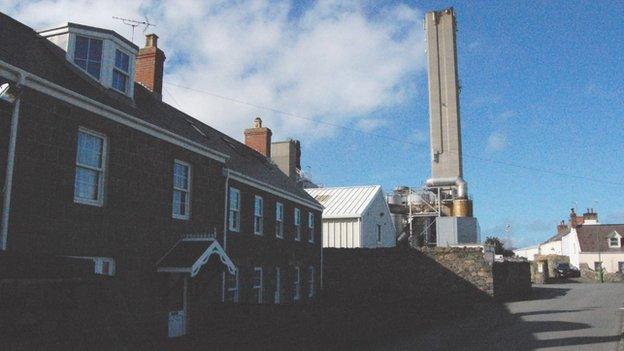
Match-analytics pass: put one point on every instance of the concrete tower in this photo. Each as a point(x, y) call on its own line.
point(445, 129)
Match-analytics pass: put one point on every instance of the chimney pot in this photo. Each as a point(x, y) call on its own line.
point(151, 40)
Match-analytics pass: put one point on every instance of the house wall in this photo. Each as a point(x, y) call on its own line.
point(378, 214)
point(342, 232)
point(248, 250)
point(570, 247)
point(135, 225)
point(528, 252)
point(609, 260)
point(551, 248)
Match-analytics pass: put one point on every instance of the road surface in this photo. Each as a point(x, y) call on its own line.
point(572, 316)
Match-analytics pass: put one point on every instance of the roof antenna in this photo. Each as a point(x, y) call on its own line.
point(134, 23)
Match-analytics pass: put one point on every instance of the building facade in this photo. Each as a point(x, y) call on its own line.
point(98, 168)
point(355, 217)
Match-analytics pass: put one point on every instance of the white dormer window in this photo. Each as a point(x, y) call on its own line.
point(615, 240)
point(88, 55)
point(103, 54)
point(121, 71)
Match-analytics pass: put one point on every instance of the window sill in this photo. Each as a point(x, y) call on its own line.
point(180, 217)
point(95, 203)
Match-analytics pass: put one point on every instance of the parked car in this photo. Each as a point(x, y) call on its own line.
point(564, 270)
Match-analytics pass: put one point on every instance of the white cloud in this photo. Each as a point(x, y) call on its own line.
point(334, 62)
point(497, 141)
point(370, 124)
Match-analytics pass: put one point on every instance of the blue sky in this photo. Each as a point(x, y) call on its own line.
point(542, 90)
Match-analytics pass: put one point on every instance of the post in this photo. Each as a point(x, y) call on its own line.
point(8, 181)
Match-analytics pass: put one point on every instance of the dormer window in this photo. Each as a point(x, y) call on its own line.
point(88, 55)
point(121, 71)
point(614, 240)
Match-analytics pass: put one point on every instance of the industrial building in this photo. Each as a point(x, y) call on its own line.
point(440, 212)
point(355, 217)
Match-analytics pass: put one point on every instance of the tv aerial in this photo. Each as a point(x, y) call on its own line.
point(134, 23)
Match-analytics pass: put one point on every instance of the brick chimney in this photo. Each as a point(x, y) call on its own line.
point(149, 65)
point(590, 217)
point(562, 228)
point(259, 138)
point(575, 221)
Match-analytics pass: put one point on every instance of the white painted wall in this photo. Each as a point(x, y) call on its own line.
point(570, 247)
point(609, 260)
point(551, 248)
point(341, 232)
point(527, 252)
point(378, 214)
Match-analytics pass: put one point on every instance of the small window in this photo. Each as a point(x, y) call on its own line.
point(257, 284)
point(90, 167)
point(614, 242)
point(104, 266)
point(311, 281)
point(121, 71)
point(378, 233)
point(234, 213)
point(230, 287)
point(297, 284)
point(311, 227)
point(597, 266)
point(181, 190)
point(278, 285)
point(279, 220)
point(621, 267)
point(258, 213)
point(88, 55)
point(297, 224)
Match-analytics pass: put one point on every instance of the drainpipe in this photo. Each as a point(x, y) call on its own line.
point(8, 180)
point(225, 208)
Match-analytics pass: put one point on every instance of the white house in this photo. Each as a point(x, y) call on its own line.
point(596, 245)
point(356, 216)
point(528, 252)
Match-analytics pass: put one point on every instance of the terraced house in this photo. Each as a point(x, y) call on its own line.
point(98, 168)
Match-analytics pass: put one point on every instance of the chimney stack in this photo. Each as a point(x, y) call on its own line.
point(590, 217)
point(259, 138)
point(562, 228)
point(149, 66)
point(287, 156)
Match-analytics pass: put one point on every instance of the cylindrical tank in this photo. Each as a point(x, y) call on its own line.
point(462, 208)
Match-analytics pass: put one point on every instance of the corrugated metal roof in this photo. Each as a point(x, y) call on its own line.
point(345, 202)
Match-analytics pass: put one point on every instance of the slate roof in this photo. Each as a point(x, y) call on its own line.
point(22, 47)
point(557, 237)
point(345, 202)
point(593, 238)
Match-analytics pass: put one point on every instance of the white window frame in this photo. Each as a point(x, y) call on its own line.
point(618, 239)
point(259, 288)
point(258, 215)
point(228, 289)
point(121, 71)
point(102, 170)
point(73, 57)
point(279, 220)
point(311, 273)
point(310, 227)
point(277, 298)
point(188, 191)
point(297, 284)
point(234, 226)
point(297, 224)
point(99, 266)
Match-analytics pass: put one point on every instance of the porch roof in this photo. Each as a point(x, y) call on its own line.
point(189, 255)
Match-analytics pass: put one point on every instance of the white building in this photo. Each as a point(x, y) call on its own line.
point(596, 245)
point(527, 252)
point(356, 216)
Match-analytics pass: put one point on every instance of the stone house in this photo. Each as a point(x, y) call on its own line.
point(99, 168)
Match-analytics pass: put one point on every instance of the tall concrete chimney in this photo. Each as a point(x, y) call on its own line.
point(150, 64)
point(259, 138)
point(445, 128)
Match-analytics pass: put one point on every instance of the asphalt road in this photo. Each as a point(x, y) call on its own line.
point(572, 316)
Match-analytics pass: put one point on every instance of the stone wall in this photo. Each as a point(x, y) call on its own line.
point(466, 263)
point(591, 274)
point(552, 260)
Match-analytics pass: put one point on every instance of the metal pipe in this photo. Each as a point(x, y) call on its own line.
point(459, 182)
point(225, 208)
point(8, 181)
